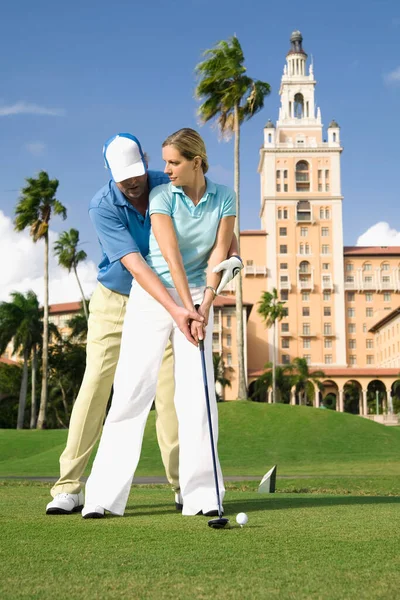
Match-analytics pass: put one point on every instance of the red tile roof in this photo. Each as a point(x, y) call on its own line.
point(371, 251)
point(253, 232)
point(386, 319)
point(66, 307)
point(349, 372)
point(228, 301)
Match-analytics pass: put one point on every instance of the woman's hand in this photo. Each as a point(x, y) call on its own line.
point(184, 319)
point(198, 330)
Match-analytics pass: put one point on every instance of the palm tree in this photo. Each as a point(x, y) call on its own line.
point(272, 310)
point(66, 249)
point(304, 379)
point(231, 97)
point(78, 325)
point(283, 383)
point(21, 323)
point(34, 210)
point(219, 374)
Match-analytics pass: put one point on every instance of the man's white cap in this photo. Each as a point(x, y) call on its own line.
point(124, 157)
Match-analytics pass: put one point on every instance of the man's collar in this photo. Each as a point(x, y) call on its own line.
point(119, 199)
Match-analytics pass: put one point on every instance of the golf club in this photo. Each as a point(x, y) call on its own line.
point(221, 522)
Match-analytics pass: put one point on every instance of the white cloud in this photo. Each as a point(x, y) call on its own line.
point(380, 234)
point(22, 267)
point(393, 77)
point(35, 148)
point(24, 108)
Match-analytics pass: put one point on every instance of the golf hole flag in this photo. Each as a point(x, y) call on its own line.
point(268, 482)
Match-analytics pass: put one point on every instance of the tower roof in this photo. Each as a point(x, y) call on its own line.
point(333, 123)
point(269, 125)
point(296, 40)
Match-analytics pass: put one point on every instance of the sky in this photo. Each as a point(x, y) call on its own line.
point(73, 74)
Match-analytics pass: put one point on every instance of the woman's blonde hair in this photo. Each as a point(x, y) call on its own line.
point(190, 144)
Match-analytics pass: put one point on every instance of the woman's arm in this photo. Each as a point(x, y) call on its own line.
point(149, 281)
point(165, 235)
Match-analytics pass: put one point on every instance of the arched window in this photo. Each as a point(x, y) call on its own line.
point(269, 138)
point(304, 267)
point(334, 137)
point(302, 176)
point(303, 211)
point(385, 266)
point(298, 106)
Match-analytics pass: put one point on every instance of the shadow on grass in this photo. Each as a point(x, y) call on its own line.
point(277, 503)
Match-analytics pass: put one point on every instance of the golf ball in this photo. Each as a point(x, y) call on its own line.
point(242, 519)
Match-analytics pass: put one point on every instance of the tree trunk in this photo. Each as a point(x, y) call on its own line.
point(45, 351)
point(242, 386)
point(33, 394)
point(84, 304)
point(23, 392)
point(274, 365)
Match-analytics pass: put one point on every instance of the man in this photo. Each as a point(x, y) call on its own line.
point(120, 216)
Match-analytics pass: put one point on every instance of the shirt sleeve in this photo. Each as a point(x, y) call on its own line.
point(229, 204)
point(114, 236)
point(160, 202)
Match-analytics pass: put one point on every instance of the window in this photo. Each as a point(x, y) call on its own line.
point(325, 266)
point(278, 187)
point(285, 174)
point(306, 329)
point(306, 343)
point(352, 360)
point(321, 210)
point(285, 213)
point(285, 359)
point(283, 249)
point(285, 187)
point(327, 311)
point(283, 266)
point(249, 263)
point(327, 328)
point(320, 184)
point(386, 297)
point(327, 180)
point(349, 267)
point(305, 296)
point(327, 343)
point(352, 327)
point(385, 267)
point(349, 279)
point(325, 231)
point(283, 231)
point(327, 296)
point(367, 267)
point(304, 266)
point(229, 321)
point(325, 249)
point(298, 107)
point(368, 297)
point(229, 359)
point(307, 358)
point(364, 328)
point(304, 231)
point(327, 213)
point(328, 359)
point(285, 327)
point(306, 311)
point(369, 312)
point(285, 311)
point(303, 212)
point(351, 296)
point(284, 295)
point(278, 179)
point(352, 344)
point(351, 312)
point(370, 359)
point(285, 342)
point(215, 339)
point(369, 343)
point(302, 176)
point(279, 213)
point(229, 340)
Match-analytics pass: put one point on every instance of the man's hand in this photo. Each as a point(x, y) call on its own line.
point(230, 267)
point(184, 318)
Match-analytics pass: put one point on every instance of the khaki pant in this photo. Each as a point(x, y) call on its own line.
point(107, 312)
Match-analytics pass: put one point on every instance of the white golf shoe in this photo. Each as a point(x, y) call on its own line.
point(92, 511)
point(65, 504)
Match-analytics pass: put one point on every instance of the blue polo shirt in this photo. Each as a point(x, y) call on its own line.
point(195, 227)
point(121, 229)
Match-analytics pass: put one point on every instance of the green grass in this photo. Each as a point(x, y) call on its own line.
point(295, 546)
point(253, 437)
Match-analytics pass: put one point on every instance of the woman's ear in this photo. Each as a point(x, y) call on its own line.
point(197, 163)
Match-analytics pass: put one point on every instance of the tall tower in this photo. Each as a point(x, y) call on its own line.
point(301, 211)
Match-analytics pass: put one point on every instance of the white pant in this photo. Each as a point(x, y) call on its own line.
point(146, 331)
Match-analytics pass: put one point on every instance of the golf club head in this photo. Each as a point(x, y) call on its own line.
point(219, 523)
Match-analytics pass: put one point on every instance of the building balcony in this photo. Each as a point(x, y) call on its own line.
point(327, 284)
point(306, 285)
point(350, 285)
point(329, 334)
point(286, 334)
point(309, 334)
point(285, 285)
point(255, 270)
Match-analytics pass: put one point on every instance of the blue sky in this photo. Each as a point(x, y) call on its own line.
point(98, 68)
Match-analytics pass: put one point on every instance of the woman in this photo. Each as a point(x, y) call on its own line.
point(192, 223)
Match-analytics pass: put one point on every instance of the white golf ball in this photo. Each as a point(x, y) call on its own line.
point(242, 519)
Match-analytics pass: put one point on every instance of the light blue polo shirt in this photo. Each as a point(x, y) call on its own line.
point(121, 229)
point(195, 226)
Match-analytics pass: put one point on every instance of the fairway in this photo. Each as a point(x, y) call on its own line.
point(332, 530)
point(295, 546)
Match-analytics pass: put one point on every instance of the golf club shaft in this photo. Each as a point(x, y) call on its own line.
point(203, 364)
